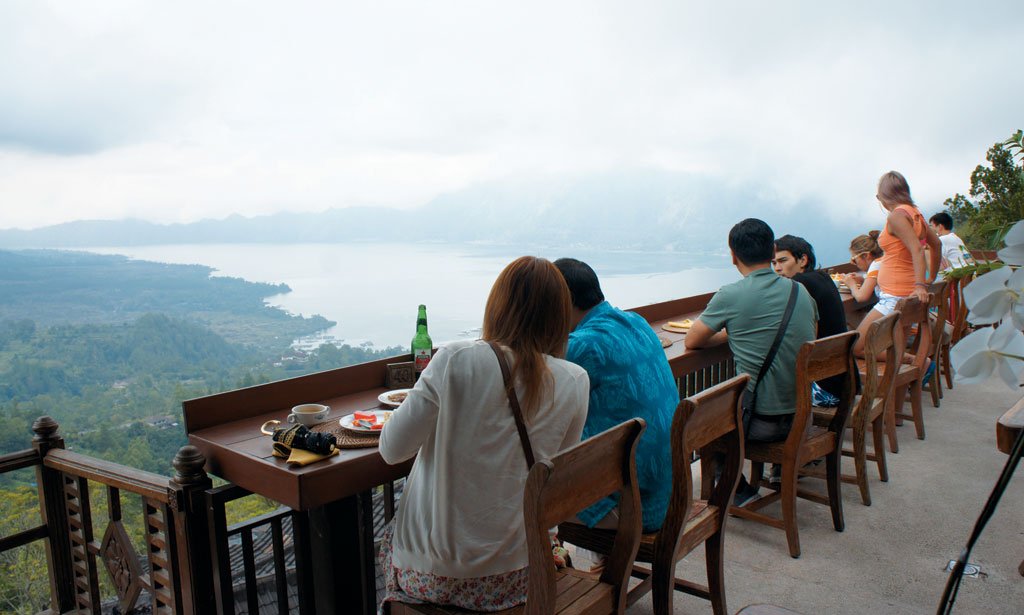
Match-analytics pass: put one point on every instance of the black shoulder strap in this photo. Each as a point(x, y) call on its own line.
point(513, 400)
point(770, 357)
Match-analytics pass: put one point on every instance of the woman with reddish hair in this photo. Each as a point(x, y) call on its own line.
point(458, 537)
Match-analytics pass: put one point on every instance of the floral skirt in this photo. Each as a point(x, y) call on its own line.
point(491, 593)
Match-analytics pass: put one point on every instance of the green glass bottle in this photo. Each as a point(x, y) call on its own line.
point(422, 346)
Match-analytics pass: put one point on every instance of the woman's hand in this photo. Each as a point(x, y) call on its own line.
point(921, 293)
point(853, 279)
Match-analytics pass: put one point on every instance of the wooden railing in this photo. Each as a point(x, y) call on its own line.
point(178, 579)
point(220, 537)
point(11, 463)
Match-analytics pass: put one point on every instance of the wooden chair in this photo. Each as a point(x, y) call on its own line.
point(883, 350)
point(908, 378)
point(712, 416)
point(556, 489)
point(828, 356)
point(960, 317)
point(939, 351)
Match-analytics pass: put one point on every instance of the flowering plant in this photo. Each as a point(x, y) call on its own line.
point(996, 298)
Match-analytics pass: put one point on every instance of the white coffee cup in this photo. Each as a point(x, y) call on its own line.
point(309, 414)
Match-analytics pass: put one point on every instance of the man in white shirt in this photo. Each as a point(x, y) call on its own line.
point(953, 249)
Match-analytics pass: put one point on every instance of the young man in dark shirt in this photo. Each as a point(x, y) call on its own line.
point(794, 258)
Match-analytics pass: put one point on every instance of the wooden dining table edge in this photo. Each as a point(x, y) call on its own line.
point(300, 488)
point(1009, 426)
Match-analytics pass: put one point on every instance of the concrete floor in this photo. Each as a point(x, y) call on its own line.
point(891, 557)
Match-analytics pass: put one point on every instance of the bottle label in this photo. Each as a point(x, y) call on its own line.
point(421, 358)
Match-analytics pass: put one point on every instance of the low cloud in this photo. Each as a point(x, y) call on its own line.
point(174, 113)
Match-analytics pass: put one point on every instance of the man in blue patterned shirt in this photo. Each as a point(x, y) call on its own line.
point(629, 377)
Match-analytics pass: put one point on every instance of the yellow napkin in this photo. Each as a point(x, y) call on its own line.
point(681, 324)
point(298, 456)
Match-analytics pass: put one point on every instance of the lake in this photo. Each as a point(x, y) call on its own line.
point(372, 290)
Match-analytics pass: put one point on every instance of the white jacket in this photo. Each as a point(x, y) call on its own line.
point(461, 512)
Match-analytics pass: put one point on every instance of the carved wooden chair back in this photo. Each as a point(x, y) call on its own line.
point(883, 350)
point(823, 358)
point(709, 422)
point(960, 317)
point(939, 307)
point(557, 489)
point(913, 312)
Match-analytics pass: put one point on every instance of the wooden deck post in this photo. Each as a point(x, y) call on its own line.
point(54, 512)
point(195, 572)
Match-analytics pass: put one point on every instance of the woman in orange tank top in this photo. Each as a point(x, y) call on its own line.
point(903, 272)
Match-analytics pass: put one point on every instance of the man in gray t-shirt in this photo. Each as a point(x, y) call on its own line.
point(747, 314)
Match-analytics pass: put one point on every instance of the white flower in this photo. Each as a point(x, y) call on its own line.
point(1013, 253)
point(994, 294)
point(987, 350)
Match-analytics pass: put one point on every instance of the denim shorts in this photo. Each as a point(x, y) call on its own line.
point(886, 303)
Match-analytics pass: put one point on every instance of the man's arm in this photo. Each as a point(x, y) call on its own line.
point(703, 336)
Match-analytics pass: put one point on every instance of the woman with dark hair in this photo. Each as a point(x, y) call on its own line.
point(458, 538)
point(903, 271)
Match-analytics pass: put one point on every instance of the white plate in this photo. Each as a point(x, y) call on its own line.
point(383, 397)
point(348, 422)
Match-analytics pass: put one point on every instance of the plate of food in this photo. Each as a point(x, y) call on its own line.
point(366, 421)
point(837, 278)
point(394, 398)
point(678, 326)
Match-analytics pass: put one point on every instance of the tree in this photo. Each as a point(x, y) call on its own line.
point(998, 193)
point(24, 580)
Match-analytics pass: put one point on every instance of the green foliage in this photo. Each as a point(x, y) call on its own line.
point(1015, 144)
point(59, 287)
point(997, 191)
point(66, 358)
point(24, 583)
point(969, 270)
point(110, 348)
point(16, 331)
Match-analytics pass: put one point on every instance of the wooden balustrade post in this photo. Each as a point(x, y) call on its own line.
point(195, 569)
point(54, 511)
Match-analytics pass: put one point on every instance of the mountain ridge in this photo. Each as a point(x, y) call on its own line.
point(648, 210)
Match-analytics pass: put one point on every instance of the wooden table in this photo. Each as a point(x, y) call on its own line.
point(334, 544)
point(685, 361)
point(682, 359)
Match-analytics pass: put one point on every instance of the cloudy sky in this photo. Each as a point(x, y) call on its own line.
point(179, 111)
